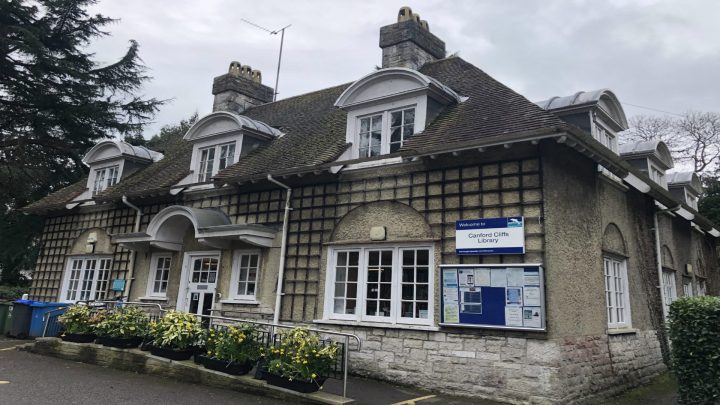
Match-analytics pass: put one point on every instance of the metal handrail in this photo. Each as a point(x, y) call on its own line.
point(272, 327)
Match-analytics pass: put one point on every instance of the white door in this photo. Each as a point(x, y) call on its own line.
point(201, 283)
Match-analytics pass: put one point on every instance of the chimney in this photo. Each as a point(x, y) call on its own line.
point(408, 43)
point(240, 89)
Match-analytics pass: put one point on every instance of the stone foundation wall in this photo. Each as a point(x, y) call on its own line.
point(521, 369)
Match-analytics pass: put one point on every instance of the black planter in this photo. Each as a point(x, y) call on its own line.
point(146, 345)
point(120, 343)
point(198, 354)
point(295, 385)
point(223, 366)
point(172, 354)
point(78, 337)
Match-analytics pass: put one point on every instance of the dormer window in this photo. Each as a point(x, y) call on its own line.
point(219, 140)
point(377, 139)
point(389, 106)
point(225, 157)
point(105, 177)
point(606, 137)
point(111, 161)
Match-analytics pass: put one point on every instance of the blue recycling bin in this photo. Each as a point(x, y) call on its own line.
point(39, 309)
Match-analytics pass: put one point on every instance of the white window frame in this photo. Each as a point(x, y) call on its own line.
point(217, 149)
point(395, 317)
point(692, 199)
point(615, 275)
point(687, 288)
point(152, 277)
point(669, 286)
point(235, 275)
point(701, 287)
point(657, 175)
point(105, 177)
point(385, 128)
point(98, 288)
point(605, 136)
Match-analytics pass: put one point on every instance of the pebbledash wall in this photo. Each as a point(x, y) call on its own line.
point(575, 359)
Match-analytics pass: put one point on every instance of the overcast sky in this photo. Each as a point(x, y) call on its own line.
point(659, 54)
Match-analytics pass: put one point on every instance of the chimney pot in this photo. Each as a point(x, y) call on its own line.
point(408, 43)
point(239, 89)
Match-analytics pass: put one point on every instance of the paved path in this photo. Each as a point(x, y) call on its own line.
point(27, 378)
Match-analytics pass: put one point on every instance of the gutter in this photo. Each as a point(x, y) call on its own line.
point(658, 255)
point(283, 249)
point(133, 256)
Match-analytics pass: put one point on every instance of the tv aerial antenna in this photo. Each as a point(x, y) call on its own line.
point(281, 31)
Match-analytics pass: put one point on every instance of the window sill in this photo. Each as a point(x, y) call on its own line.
point(622, 331)
point(163, 299)
point(427, 328)
point(240, 302)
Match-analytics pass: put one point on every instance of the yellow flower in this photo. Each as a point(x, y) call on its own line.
point(313, 375)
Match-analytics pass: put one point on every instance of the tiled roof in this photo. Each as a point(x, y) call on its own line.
point(315, 132)
point(58, 199)
point(491, 109)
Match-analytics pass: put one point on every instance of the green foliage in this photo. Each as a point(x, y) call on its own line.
point(81, 319)
point(56, 101)
point(234, 344)
point(695, 336)
point(301, 355)
point(11, 292)
point(176, 330)
point(124, 323)
point(709, 204)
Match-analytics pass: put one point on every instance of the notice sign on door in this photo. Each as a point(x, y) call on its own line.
point(490, 236)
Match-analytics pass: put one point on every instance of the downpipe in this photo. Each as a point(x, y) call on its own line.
point(283, 249)
point(133, 256)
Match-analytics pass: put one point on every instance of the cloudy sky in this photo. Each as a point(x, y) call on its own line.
point(659, 54)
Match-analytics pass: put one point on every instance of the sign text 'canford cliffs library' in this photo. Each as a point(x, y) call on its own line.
point(490, 236)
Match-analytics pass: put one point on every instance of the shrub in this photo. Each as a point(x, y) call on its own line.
point(176, 330)
point(124, 323)
point(234, 344)
point(81, 319)
point(695, 354)
point(12, 292)
point(302, 355)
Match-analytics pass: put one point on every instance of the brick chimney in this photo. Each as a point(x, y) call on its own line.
point(408, 43)
point(239, 89)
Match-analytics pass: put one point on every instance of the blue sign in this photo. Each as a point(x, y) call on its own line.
point(490, 236)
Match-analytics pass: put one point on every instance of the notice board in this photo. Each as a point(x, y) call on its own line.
point(501, 296)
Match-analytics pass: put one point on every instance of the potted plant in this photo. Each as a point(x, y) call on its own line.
point(175, 335)
point(79, 323)
point(124, 328)
point(232, 350)
point(300, 360)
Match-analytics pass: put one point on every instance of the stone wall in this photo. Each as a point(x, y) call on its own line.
point(509, 368)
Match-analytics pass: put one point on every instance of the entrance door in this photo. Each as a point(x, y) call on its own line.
point(202, 280)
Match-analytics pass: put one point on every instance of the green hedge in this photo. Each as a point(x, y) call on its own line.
point(695, 336)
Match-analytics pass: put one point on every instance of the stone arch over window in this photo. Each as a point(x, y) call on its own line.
point(401, 222)
point(667, 258)
point(94, 241)
point(613, 241)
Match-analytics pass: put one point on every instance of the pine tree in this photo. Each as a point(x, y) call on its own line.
point(56, 101)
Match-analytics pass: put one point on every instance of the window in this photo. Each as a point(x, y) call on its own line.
point(687, 288)
point(692, 200)
point(384, 133)
point(657, 175)
point(668, 285)
point(701, 289)
point(159, 275)
point(243, 283)
point(105, 177)
point(225, 156)
point(605, 137)
point(86, 279)
point(616, 292)
point(384, 284)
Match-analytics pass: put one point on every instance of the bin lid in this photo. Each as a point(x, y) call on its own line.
point(25, 302)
